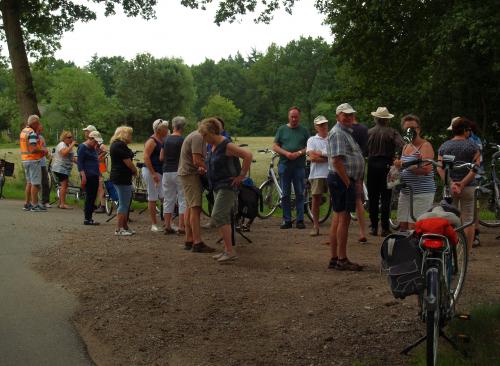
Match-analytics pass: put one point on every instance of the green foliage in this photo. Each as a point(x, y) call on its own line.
point(224, 108)
point(105, 68)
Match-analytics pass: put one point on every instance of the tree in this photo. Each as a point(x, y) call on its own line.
point(105, 69)
point(218, 106)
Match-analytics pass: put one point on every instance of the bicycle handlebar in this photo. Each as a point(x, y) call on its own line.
point(454, 165)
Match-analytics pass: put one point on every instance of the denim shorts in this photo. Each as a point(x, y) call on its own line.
point(343, 198)
point(124, 195)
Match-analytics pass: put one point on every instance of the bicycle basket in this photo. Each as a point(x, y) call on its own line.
point(402, 262)
point(110, 188)
point(7, 167)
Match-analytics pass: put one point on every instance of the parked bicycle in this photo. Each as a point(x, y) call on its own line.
point(442, 270)
point(492, 182)
point(6, 170)
point(74, 189)
point(139, 188)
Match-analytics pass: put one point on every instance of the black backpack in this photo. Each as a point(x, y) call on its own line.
point(402, 261)
point(249, 201)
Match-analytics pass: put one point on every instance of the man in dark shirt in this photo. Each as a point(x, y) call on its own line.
point(383, 144)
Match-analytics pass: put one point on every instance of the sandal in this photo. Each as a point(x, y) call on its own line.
point(180, 232)
point(346, 265)
point(169, 231)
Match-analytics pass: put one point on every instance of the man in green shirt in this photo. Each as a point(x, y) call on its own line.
point(290, 143)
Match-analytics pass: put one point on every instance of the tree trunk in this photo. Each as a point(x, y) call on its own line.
point(25, 92)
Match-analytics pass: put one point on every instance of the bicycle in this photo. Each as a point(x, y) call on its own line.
point(73, 189)
point(493, 184)
point(444, 267)
point(6, 170)
point(139, 189)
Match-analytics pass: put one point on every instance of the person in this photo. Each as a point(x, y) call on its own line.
point(290, 143)
point(172, 188)
point(152, 170)
point(191, 167)
point(88, 168)
point(45, 188)
point(225, 176)
point(383, 144)
point(62, 164)
point(462, 181)
point(360, 135)
point(346, 166)
point(420, 179)
point(122, 170)
point(101, 153)
point(32, 152)
point(317, 150)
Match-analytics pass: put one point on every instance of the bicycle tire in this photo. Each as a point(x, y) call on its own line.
point(110, 205)
point(270, 199)
point(432, 318)
point(459, 270)
point(493, 207)
point(325, 208)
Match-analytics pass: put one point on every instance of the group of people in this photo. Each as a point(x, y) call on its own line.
point(174, 165)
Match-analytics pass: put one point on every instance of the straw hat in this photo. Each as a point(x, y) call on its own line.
point(382, 112)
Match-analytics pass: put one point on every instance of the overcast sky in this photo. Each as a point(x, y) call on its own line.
point(189, 34)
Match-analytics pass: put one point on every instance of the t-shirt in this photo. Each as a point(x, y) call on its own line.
point(193, 144)
point(88, 160)
point(292, 139)
point(464, 151)
point(62, 164)
point(172, 153)
point(318, 143)
point(360, 135)
point(120, 173)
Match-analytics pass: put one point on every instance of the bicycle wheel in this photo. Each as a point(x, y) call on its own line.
point(270, 198)
point(432, 316)
point(459, 266)
point(393, 218)
point(110, 205)
point(493, 212)
point(325, 207)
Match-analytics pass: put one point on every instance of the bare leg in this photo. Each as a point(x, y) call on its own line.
point(152, 211)
point(189, 232)
point(225, 231)
point(27, 193)
point(182, 225)
point(62, 193)
point(333, 235)
point(168, 220)
point(342, 232)
point(34, 194)
point(469, 235)
point(316, 202)
point(100, 192)
point(195, 224)
point(360, 214)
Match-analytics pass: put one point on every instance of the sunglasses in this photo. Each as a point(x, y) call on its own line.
point(69, 137)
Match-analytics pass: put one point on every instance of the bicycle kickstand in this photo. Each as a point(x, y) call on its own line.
point(413, 345)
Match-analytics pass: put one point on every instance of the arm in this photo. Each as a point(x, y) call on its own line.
point(278, 149)
point(236, 151)
point(148, 150)
point(471, 175)
point(338, 164)
point(130, 165)
point(439, 169)
point(199, 162)
point(66, 150)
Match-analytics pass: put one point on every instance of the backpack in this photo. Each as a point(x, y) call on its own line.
point(249, 200)
point(402, 261)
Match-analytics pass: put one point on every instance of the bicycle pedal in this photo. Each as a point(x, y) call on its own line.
point(463, 316)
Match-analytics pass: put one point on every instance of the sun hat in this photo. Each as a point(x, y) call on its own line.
point(159, 123)
point(453, 120)
point(320, 120)
point(382, 112)
point(96, 136)
point(90, 128)
point(345, 108)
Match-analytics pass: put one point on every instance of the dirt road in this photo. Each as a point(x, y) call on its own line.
point(35, 326)
point(145, 301)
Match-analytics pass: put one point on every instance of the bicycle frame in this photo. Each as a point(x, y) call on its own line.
point(272, 175)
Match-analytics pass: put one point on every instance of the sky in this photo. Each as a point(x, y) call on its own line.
point(189, 34)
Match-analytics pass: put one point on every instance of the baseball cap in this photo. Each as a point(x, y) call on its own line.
point(320, 120)
point(96, 136)
point(90, 128)
point(159, 123)
point(345, 108)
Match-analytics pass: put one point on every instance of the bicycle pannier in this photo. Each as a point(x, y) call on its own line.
point(249, 200)
point(402, 261)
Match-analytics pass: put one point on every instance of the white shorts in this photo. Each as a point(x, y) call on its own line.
point(173, 192)
point(155, 191)
point(421, 203)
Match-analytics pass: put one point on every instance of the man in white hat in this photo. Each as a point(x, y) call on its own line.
point(346, 165)
point(384, 143)
point(317, 150)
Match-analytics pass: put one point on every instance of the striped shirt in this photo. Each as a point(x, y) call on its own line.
point(341, 143)
point(419, 183)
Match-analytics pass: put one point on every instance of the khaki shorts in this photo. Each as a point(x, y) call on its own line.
point(191, 184)
point(422, 202)
point(225, 201)
point(465, 203)
point(318, 186)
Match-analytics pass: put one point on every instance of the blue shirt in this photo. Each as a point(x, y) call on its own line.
point(87, 160)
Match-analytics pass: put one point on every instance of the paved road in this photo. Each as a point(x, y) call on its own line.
point(34, 314)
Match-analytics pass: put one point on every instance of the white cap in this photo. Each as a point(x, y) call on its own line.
point(96, 136)
point(159, 123)
point(345, 108)
point(320, 120)
point(90, 128)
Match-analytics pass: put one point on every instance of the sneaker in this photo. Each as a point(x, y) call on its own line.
point(123, 232)
point(300, 225)
point(27, 207)
point(100, 209)
point(168, 231)
point(314, 232)
point(90, 222)
point(333, 263)
point(130, 230)
point(286, 225)
point(47, 205)
point(346, 265)
point(202, 248)
point(38, 208)
point(227, 258)
point(208, 225)
point(217, 256)
point(156, 229)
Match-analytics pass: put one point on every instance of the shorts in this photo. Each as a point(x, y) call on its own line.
point(61, 177)
point(422, 202)
point(173, 193)
point(33, 171)
point(318, 186)
point(191, 184)
point(124, 197)
point(465, 203)
point(224, 206)
point(155, 191)
point(343, 198)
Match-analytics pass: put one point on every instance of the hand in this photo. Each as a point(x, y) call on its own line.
point(201, 170)
point(156, 178)
point(290, 156)
point(237, 180)
point(398, 163)
point(456, 188)
point(84, 181)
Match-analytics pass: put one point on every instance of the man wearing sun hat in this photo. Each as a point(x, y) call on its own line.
point(384, 143)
